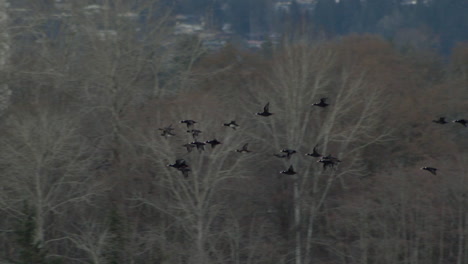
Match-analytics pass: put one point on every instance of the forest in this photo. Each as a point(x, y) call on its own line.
point(90, 124)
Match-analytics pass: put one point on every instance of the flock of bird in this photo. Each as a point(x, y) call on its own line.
point(327, 161)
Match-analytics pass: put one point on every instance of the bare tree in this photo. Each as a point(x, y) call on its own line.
point(46, 164)
point(302, 74)
point(196, 201)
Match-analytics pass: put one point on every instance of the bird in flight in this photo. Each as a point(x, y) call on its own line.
point(321, 103)
point(329, 161)
point(167, 131)
point(188, 122)
point(288, 152)
point(189, 147)
point(244, 149)
point(462, 122)
point(265, 111)
point(441, 121)
point(213, 142)
point(290, 171)
point(430, 169)
point(194, 132)
point(314, 153)
point(200, 145)
point(232, 124)
point(182, 166)
point(179, 163)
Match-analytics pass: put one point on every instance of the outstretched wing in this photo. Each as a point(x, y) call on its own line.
point(266, 108)
point(322, 100)
point(245, 146)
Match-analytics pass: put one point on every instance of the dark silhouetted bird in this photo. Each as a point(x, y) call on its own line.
point(200, 145)
point(244, 149)
point(189, 123)
point(290, 171)
point(265, 111)
point(288, 152)
point(321, 103)
point(314, 153)
point(189, 147)
point(179, 163)
point(326, 163)
point(182, 166)
point(441, 121)
point(194, 132)
point(232, 124)
point(329, 161)
point(430, 169)
point(213, 142)
point(461, 122)
point(167, 131)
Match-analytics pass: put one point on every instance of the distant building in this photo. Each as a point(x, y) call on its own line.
point(184, 28)
point(186, 24)
point(284, 6)
point(408, 2)
point(254, 44)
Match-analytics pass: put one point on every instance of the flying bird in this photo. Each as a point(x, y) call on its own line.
point(290, 171)
point(167, 131)
point(244, 149)
point(430, 169)
point(213, 142)
point(441, 121)
point(194, 132)
point(461, 122)
point(182, 166)
point(200, 145)
point(232, 124)
point(189, 147)
point(179, 163)
point(265, 111)
point(188, 122)
point(288, 152)
point(314, 153)
point(321, 103)
point(329, 161)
